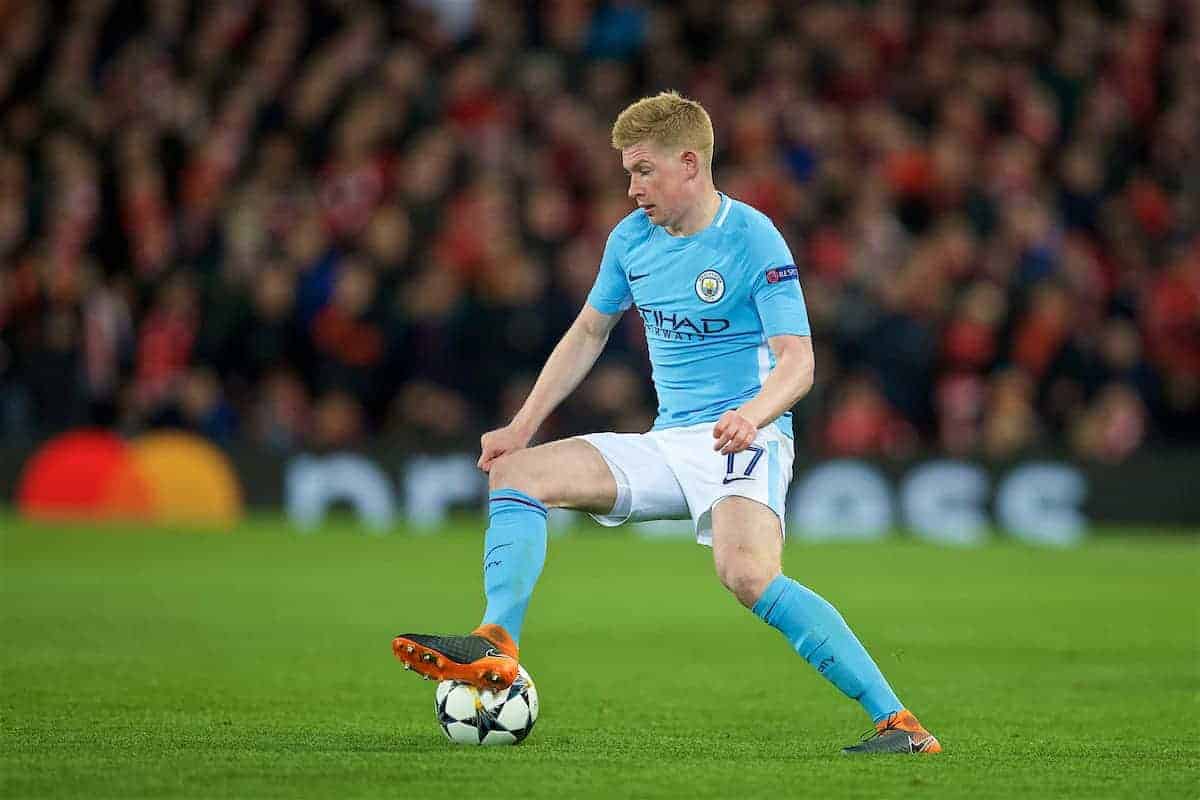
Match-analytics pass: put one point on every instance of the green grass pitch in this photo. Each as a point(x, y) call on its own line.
point(154, 663)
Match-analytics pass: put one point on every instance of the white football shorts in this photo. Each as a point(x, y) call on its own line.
point(676, 474)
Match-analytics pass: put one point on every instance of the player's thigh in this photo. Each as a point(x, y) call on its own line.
point(647, 488)
point(761, 472)
point(565, 474)
point(747, 546)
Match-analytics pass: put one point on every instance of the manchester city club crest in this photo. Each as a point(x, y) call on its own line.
point(710, 286)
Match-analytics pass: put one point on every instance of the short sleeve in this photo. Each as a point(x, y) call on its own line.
point(775, 286)
point(610, 293)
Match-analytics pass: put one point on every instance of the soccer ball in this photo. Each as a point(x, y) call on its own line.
point(485, 717)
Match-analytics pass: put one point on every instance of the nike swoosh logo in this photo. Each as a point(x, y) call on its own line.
point(739, 478)
point(494, 653)
point(633, 277)
point(916, 746)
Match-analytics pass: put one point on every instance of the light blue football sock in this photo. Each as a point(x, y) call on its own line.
point(822, 638)
point(514, 550)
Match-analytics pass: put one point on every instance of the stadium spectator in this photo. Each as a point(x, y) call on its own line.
point(386, 210)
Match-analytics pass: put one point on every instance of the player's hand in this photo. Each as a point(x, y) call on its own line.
point(733, 433)
point(494, 444)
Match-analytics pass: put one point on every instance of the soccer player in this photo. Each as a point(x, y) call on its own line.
point(719, 293)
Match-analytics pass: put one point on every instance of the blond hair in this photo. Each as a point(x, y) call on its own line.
point(668, 120)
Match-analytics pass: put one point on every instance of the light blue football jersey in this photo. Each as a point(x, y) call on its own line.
point(709, 302)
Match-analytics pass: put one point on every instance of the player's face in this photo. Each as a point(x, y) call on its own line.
point(657, 179)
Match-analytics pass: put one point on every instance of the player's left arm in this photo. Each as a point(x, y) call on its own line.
point(779, 301)
point(789, 381)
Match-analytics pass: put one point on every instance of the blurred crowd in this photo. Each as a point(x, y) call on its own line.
point(315, 223)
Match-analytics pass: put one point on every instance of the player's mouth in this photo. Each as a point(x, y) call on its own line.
point(647, 208)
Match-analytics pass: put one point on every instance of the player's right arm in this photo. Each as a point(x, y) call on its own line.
point(568, 364)
point(572, 357)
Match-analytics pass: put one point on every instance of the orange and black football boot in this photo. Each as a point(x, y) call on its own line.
point(899, 733)
point(486, 659)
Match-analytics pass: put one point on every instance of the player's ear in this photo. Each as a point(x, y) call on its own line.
point(691, 162)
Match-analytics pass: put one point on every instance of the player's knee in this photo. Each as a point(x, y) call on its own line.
point(746, 579)
point(515, 472)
